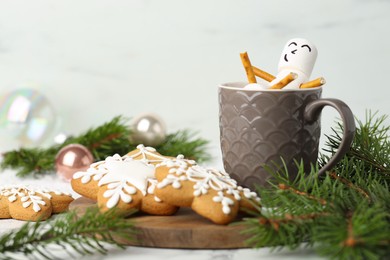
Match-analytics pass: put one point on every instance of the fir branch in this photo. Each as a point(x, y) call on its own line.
point(185, 142)
point(33, 160)
point(290, 209)
point(103, 141)
point(294, 216)
point(354, 223)
point(359, 234)
point(333, 175)
point(107, 139)
point(98, 140)
point(370, 146)
point(84, 235)
point(285, 187)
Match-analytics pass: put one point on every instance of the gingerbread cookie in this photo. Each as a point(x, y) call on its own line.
point(124, 183)
point(26, 203)
point(210, 193)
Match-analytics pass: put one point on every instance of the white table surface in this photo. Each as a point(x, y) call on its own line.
point(52, 181)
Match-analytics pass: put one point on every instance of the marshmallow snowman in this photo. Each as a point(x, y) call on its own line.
point(298, 56)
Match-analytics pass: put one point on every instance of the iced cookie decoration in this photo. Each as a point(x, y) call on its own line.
point(124, 182)
point(209, 192)
point(26, 203)
point(294, 69)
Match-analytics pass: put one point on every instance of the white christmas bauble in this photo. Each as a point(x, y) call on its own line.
point(148, 129)
point(26, 118)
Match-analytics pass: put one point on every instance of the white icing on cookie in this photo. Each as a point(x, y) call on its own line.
point(135, 172)
point(116, 191)
point(12, 192)
point(248, 193)
point(172, 180)
point(152, 187)
point(234, 192)
point(47, 192)
point(205, 179)
point(147, 151)
point(225, 201)
point(209, 178)
point(28, 196)
point(126, 173)
point(177, 165)
point(98, 170)
point(177, 172)
point(34, 200)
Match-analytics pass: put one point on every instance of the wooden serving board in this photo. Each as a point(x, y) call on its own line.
point(185, 229)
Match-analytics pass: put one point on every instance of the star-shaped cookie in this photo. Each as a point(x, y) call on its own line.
point(124, 182)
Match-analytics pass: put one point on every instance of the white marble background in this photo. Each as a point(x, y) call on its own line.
point(96, 59)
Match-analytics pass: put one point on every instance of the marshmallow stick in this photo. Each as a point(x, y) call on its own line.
point(248, 67)
point(313, 83)
point(262, 74)
point(281, 84)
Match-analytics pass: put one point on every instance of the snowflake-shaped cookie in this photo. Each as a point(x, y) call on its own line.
point(26, 203)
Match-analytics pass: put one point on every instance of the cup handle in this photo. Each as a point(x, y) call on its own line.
point(313, 111)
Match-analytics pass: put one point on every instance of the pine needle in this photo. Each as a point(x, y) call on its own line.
point(344, 215)
point(103, 141)
point(84, 235)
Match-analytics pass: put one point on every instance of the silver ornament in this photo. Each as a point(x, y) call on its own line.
point(148, 129)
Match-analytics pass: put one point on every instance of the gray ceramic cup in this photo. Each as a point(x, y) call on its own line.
point(273, 127)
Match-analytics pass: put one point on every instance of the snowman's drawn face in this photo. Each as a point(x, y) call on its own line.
point(298, 54)
point(294, 49)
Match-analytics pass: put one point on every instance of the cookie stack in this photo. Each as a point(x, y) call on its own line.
point(156, 184)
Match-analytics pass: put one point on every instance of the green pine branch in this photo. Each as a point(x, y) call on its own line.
point(345, 214)
point(185, 142)
point(107, 139)
point(370, 146)
point(103, 141)
point(85, 235)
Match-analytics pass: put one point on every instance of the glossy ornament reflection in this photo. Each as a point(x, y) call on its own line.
point(26, 118)
point(71, 159)
point(148, 129)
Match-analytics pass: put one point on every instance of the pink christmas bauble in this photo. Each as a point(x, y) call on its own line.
point(71, 159)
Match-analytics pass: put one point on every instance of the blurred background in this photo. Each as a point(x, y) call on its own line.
point(92, 59)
